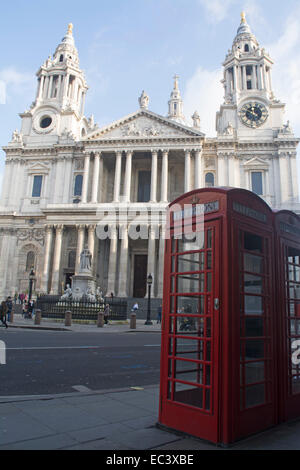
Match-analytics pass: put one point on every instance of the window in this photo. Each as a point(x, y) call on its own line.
point(78, 185)
point(256, 182)
point(249, 85)
point(61, 59)
point(209, 180)
point(144, 186)
point(248, 69)
point(246, 48)
point(30, 260)
point(37, 186)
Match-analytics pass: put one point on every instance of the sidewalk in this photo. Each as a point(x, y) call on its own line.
point(112, 327)
point(110, 420)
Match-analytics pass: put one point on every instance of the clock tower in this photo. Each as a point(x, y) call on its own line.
point(250, 108)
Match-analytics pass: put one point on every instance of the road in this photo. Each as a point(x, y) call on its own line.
point(51, 362)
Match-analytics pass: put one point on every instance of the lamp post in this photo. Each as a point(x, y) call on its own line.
point(149, 284)
point(31, 280)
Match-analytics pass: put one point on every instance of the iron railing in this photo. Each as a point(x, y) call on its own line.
point(81, 310)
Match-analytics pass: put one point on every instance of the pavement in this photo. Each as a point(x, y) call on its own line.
point(121, 420)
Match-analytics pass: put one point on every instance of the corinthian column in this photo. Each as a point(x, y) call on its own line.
point(80, 245)
point(85, 179)
point(46, 269)
point(164, 176)
point(128, 170)
point(154, 176)
point(151, 252)
point(56, 259)
point(117, 176)
point(187, 171)
point(123, 262)
point(96, 178)
point(91, 243)
point(198, 168)
point(112, 267)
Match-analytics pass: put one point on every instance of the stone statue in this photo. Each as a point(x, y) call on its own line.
point(67, 294)
point(229, 129)
point(89, 296)
point(85, 260)
point(196, 120)
point(17, 137)
point(144, 100)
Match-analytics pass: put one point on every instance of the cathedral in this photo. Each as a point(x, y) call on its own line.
point(70, 185)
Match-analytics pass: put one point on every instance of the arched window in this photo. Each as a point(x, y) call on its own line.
point(78, 185)
point(246, 48)
point(61, 59)
point(72, 259)
point(209, 180)
point(30, 260)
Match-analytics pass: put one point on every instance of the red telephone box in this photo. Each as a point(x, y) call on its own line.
point(287, 229)
point(218, 380)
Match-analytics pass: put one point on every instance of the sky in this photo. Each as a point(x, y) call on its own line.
point(126, 46)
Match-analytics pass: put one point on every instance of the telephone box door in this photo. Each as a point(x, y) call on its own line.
point(190, 344)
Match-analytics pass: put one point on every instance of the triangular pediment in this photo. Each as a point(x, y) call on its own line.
point(256, 162)
point(38, 167)
point(143, 125)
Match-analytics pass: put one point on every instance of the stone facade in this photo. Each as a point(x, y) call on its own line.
point(69, 184)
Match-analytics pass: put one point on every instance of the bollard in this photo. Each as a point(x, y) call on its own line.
point(68, 318)
point(100, 322)
point(38, 317)
point(133, 321)
point(11, 316)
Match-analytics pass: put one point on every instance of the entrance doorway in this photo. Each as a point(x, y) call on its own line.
point(68, 279)
point(140, 275)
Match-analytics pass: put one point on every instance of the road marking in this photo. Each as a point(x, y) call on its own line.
point(54, 347)
point(81, 388)
point(151, 345)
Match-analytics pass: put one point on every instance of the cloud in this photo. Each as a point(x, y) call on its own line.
point(216, 10)
point(13, 82)
point(204, 93)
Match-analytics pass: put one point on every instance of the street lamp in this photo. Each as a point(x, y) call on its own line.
point(31, 280)
point(149, 284)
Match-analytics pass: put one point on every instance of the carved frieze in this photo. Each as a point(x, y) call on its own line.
point(35, 234)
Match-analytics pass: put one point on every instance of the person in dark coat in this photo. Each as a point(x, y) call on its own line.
point(9, 307)
point(3, 312)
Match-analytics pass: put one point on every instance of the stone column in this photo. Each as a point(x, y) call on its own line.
point(112, 267)
point(46, 269)
point(151, 255)
point(95, 186)
point(198, 168)
point(284, 176)
point(244, 78)
point(164, 176)
point(91, 244)
point(123, 269)
point(50, 87)
point(160, 282)
point(127, 187)
point(187, 171)
point(80, 245)
point(118, 168)
point(293, 163)
point(153, 195)
point(85, 179)
point(56, 259)
point(68, 179)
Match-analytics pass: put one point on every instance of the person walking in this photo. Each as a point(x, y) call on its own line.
point(106, 313)
point(159, 310)
point(9, 308)
point(3, 312)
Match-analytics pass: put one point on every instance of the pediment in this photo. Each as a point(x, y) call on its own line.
point(143, 125)
point(38, 167)
point(256, 162)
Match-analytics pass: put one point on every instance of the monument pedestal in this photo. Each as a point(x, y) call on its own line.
point(83, 284)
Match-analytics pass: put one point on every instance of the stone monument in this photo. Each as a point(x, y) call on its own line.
point(84, 283)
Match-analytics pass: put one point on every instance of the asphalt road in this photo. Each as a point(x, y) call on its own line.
point(50, 362)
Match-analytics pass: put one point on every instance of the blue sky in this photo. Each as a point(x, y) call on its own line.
point(126, 46)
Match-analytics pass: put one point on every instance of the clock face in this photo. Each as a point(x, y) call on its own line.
point(253, 114)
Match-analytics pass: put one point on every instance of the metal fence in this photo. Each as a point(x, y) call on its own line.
point(81, 310)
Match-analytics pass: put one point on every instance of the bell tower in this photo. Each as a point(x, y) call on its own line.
point(250, 107)
point(58, 109)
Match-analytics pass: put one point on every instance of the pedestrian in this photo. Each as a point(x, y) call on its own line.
point(159, 310)
point(3, 312)
point(9, 307)
point(135, 307)
point(106, 313)
point(30, 308)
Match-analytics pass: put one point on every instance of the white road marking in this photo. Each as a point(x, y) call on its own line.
point(81, 388)
point(53, 347)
